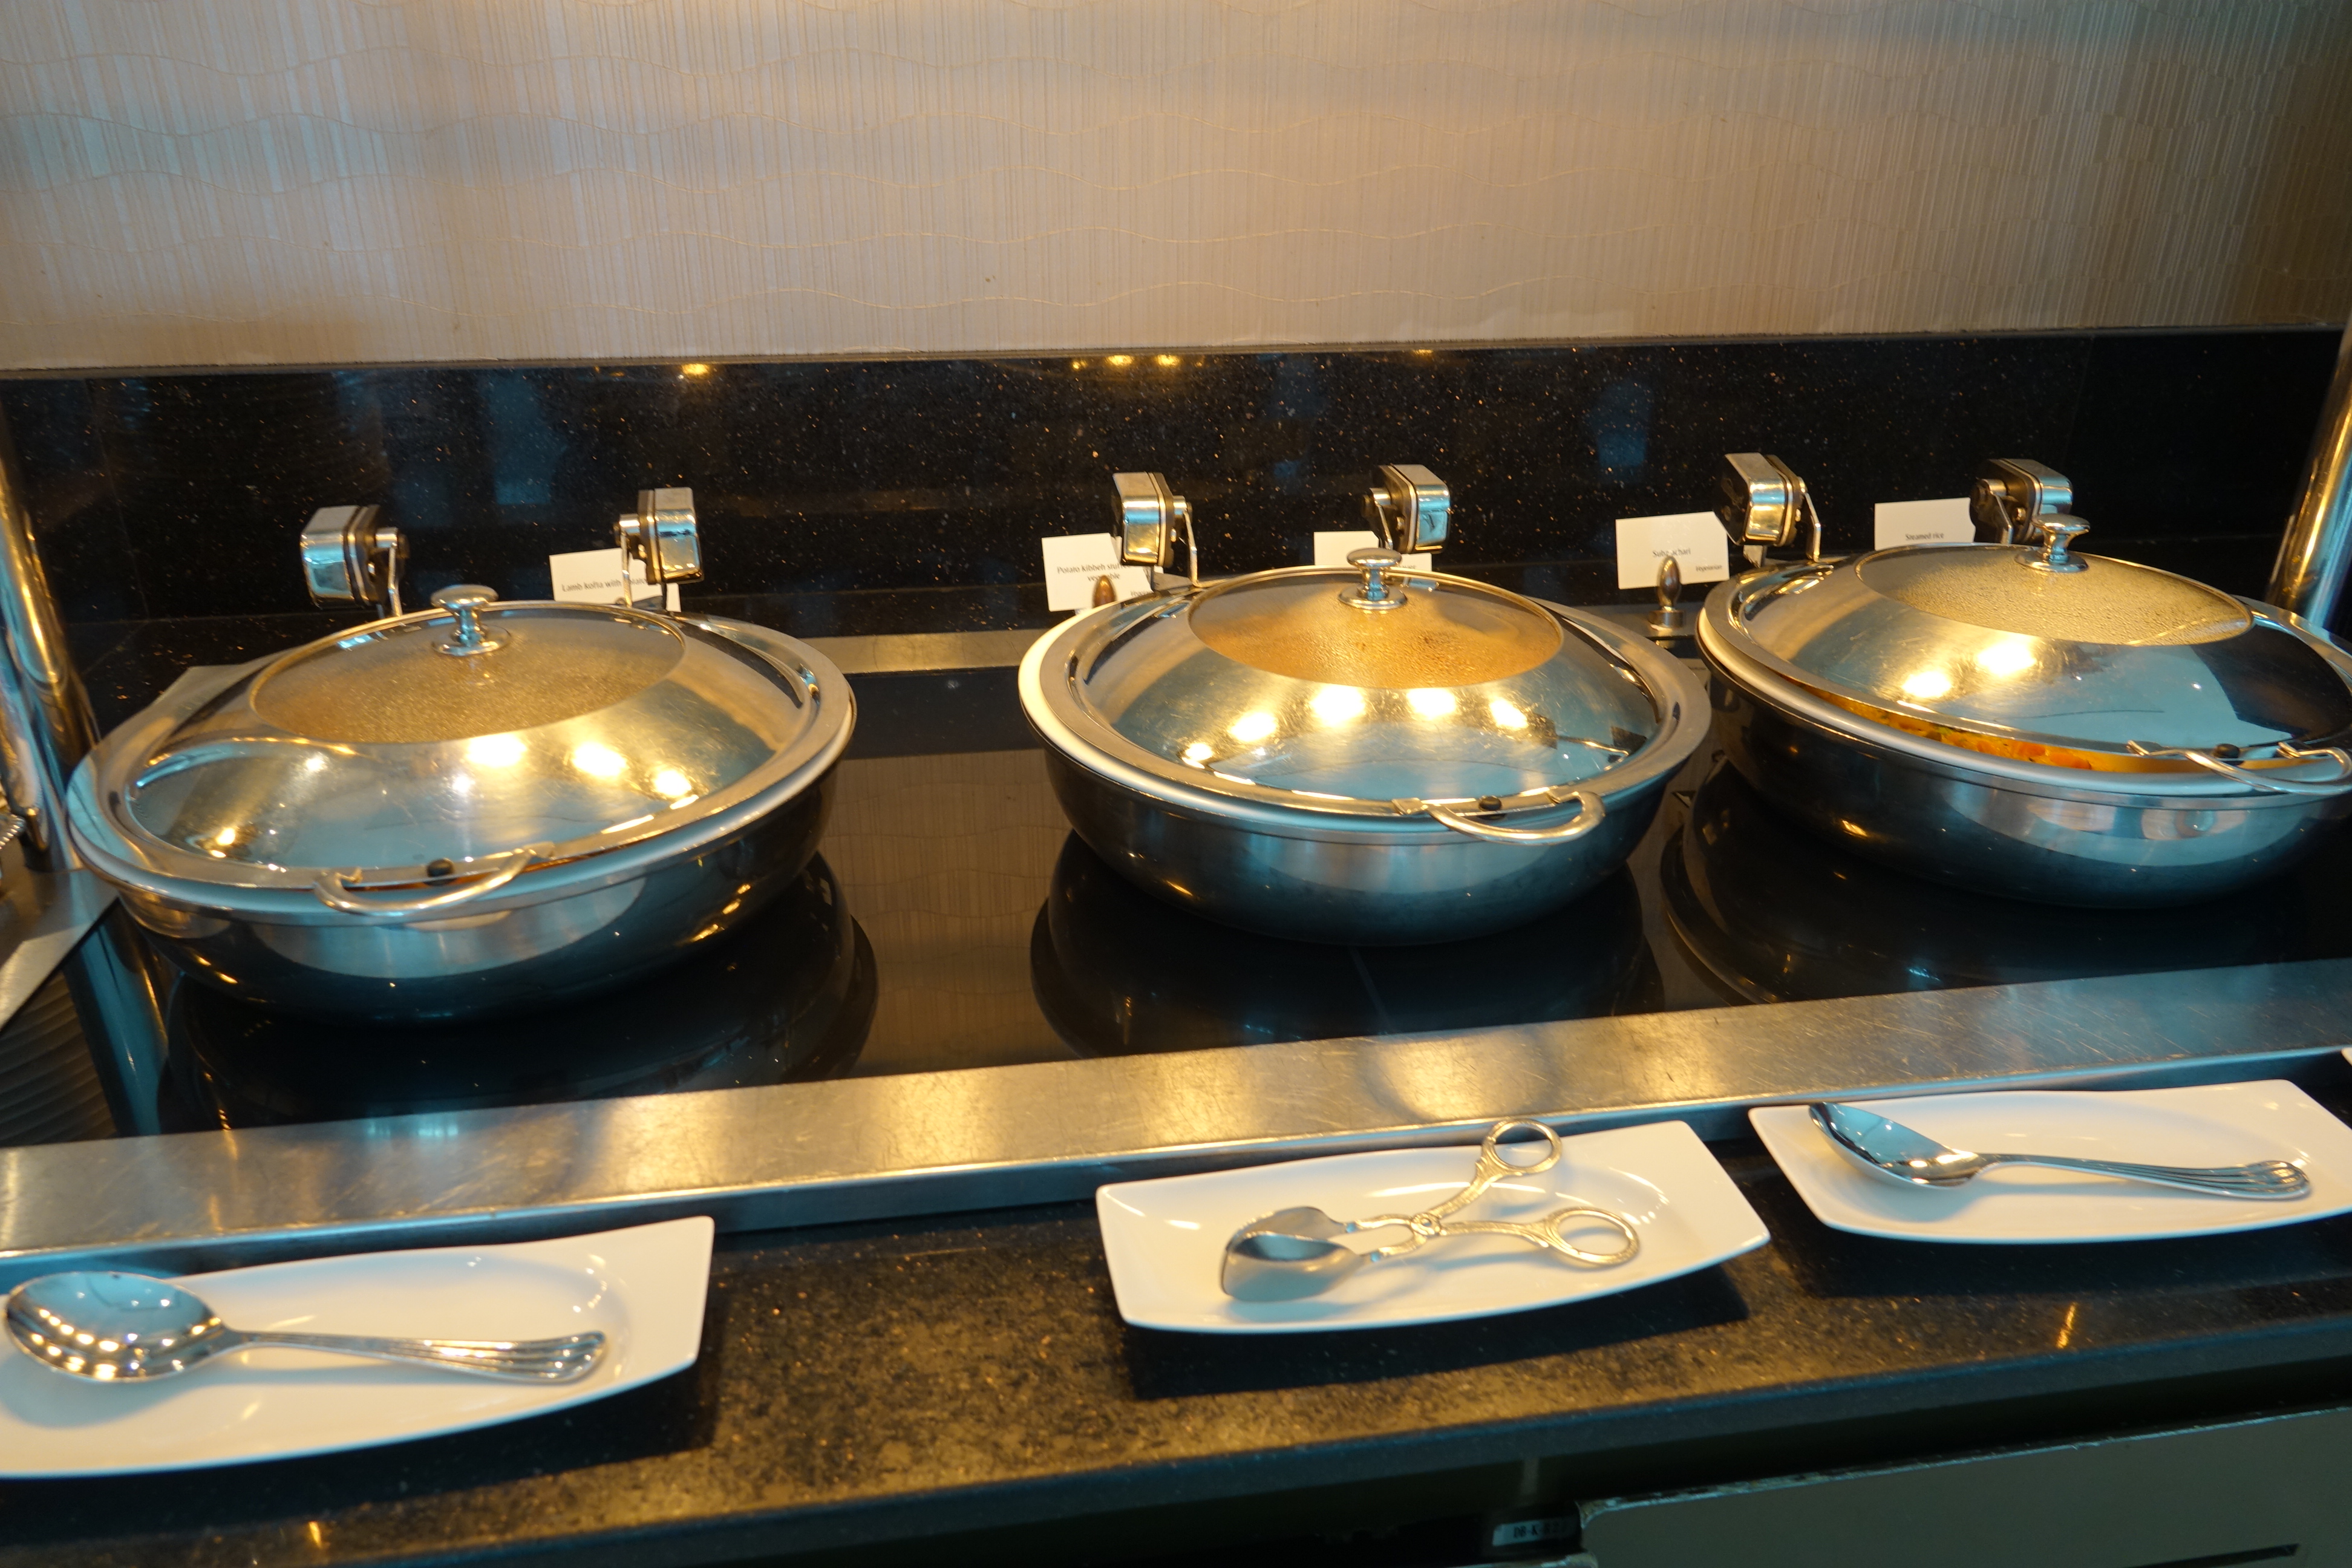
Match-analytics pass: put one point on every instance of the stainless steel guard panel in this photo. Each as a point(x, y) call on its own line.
point(868, 1148)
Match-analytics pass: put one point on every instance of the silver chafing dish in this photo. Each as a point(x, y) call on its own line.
point(2023, 719)
point(472, 809)
point(1355, 755)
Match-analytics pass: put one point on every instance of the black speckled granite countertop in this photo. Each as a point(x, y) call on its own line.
point(969, 1378)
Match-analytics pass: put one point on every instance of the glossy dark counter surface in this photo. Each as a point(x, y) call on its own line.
point(873, 1383)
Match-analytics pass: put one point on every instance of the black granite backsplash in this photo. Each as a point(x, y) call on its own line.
point(180, 495)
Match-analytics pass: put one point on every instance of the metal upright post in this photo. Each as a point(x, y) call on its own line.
point(2312, 558)
point(46, 728)
point(45, 715)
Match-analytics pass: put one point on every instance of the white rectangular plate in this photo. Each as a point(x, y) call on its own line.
point(644, 1287)
point(1166, 1239)
point(2213, 1124)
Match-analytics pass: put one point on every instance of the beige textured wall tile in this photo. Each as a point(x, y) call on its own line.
point(300, 181)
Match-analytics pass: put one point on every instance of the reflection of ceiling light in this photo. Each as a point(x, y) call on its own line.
point(1121, 360)
point(1336, 705)
point(1431, 701)
point(1507, 714)
point(1926, 685)
point(496, 751)
point(1199, 752)
point(696, 371)
point(225, 838)
point(2010, 655)
point(1166, 360)
point(598, 762)
point(671, 783)
point(316, 763)
point(1252, 728)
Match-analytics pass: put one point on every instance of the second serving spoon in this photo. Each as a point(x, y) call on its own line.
point(1889, 1148)
point(128, 1328)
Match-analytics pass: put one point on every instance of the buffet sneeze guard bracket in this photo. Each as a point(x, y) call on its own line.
point(663, 533)
point(348, 558)
point(1766, 506)
point(1150, 514)
point(856, 1148)
point(2015, 497)
point(1409, 508)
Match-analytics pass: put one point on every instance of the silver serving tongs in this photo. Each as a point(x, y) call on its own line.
point(1295, 1252)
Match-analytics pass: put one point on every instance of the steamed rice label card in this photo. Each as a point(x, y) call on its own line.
point(1946, 521)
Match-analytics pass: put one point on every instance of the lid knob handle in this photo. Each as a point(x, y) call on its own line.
point(1375, 592)
point(347, 558)
point(663, 534)
point(466, 600)
point(1670, 620)
point(2057, 534)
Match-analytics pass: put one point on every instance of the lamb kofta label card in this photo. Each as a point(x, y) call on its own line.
point(595, 578)
point(1695, 538)
point(1946, 521)
point(1077, 564)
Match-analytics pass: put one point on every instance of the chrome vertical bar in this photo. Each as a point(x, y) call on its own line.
point(2317, 548)
point(45, 714)
point(46, 727)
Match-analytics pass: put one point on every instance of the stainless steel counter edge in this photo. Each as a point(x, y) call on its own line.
point(987, 1137)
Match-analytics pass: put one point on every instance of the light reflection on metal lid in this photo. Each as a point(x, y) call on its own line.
point(1252, 728)
point(1336, 705)
point(1926, 685)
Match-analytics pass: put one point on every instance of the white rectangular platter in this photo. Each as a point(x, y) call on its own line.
point(644, 1287)
point(2209, 1124)
point(1166, 1239)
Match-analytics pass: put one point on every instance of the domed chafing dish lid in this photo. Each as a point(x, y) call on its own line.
point(2045, 655)
point(464, 745)
point(1326, 690)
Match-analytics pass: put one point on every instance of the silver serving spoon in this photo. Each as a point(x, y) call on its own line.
point(1295, 1253)
point(122, 1328)
point(1891, 1150)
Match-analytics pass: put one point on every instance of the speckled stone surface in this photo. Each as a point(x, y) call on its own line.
point(168, 496)
point(877, 1383)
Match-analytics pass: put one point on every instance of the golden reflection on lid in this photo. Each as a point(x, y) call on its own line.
point(1336, 705)
point(1926, 685)
point(598, 761)
point(1252, 728)
point(2010, 655)
point(495, 751)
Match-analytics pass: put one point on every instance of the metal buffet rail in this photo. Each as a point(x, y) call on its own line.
point(928, 1142)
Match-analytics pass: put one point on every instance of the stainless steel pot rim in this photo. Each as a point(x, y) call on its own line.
point(2182, 791)
point(1527, 689)
point(289, 895)
point(1289, 814)
point(1720, 629)
point(126, 751)
point(541, 884)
